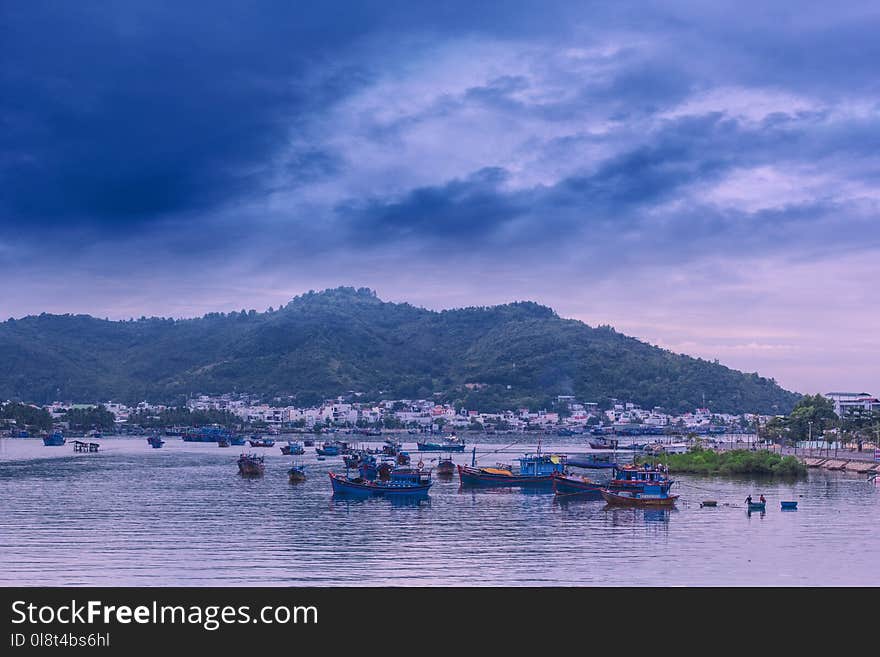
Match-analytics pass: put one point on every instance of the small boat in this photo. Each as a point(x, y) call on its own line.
point(55, 440)
point(297, 473)
point(259, 441)
point(584, 488)
point(206, 435)
point(451, 444)
point(155, 442)
point(293, 448)
point(404, 481)
point(757, 506)
point(236, 440)
point(650, 496)
point(446, 467)
point(709, 503)
point(309, 442)
point(223, 442)
point(251, 465)
point(789, 506)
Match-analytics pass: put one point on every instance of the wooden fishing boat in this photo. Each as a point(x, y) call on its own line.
point(451, 444)
point(534, 470)
point(293, 448)
point(155, 442)
point(55, 440)
point(251, 465)
point(583, 487)
point(403, 482)
point(650, 497)
point(446, 467)
point(634, 477)
point(297, 473)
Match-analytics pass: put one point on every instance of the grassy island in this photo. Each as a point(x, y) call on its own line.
point(740, 461)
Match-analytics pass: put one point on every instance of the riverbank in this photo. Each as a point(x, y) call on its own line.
point(745, 462)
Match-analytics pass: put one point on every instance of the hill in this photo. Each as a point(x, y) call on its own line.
point(324, 344)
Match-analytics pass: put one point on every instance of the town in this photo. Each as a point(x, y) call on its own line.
point(568, 416)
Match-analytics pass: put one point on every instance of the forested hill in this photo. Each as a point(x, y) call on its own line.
point(333, 342)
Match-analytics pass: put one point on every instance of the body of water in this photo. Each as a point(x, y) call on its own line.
point(181, 515)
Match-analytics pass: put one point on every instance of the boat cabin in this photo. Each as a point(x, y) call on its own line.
point(541, 465)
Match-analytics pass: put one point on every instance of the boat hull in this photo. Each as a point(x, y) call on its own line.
point(571, 486)
point(475, 477)
point(437, 447)
point(344, 486)
point(638, 500)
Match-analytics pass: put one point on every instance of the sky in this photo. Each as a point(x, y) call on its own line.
point(702, 176)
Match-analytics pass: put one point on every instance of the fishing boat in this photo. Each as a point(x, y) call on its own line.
point(451, 444)
point(650, 496)
point(404, 481)
point(567, 484)
point(155, 442)
point(206, 435)
point(591, 461)
point(223, 442)
point(236, 440)
point(789, 506)
point(55, 440)
point(534, 470)
point(328, 449)
point(634, 477)
point(259, 441)
point(251, 465)
point(446, 466)
point(293, 448)
point(297, 473)
point(309, 442)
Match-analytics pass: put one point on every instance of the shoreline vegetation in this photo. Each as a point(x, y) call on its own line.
point(735, 462)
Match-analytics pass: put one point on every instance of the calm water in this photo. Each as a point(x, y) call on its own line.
point(181, 515)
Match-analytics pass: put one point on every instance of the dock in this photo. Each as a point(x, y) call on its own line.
point(81, 446)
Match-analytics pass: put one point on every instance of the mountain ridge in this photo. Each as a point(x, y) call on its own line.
point(328, 343)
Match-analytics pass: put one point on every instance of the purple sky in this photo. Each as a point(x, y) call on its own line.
point(702, 176)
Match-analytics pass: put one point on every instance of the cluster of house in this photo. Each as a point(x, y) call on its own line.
point(430, 415)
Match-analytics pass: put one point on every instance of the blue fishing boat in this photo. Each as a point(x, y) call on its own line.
point(635, 477)
point(251, 465)
point(293, 448)
point(259, 441)
point(236, 440)
point(328, 449)
point(403, 482)
point(534, 470)
point(297, 473)
point(788, 506)
point(155, 442)
point(584, 488)
point(55, 440)
point(451, 444)
point(206, 435)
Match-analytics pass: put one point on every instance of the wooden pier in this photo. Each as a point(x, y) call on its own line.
point(80, 446)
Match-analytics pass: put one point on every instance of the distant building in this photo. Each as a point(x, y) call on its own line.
point(843, 401)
